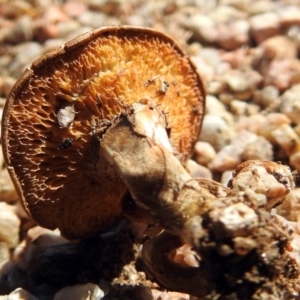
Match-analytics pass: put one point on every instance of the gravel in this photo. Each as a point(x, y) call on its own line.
point(246, 51)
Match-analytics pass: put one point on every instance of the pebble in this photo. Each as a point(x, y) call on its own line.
point(26, 54)
point(92, 19)
point(46, 24)
point(204, 153)
point(19, 31)
point(4, 252)
point(230, 156)
point(198, 171)
point(268, 96)
point(294, 160)
point(287, 139)
point(238, 4)
point(262, 6)
point(223, 13)
point(263, 26)
point(265, 181)
point(236, 220)
point(7, 190)
point(289, 16)
point(215, 107)
point(291, 206)
point(19, 294)
point(290, 103)
point(203, 28)
point(6, 83)
point(260, 149)
point(263, 125)
point(9, 225)
point(242, 108)
point(279, 46)
point(36, 241)
point(74, 9)
point(168, 295)
point(239, 84)
point(249, 58)
point(233, 34)
point(216, 132)
point(87, 291)
point(282, 73)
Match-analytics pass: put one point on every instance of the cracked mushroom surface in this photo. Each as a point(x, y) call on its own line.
point(58, 109)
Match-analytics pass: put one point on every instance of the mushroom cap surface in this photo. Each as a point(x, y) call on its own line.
point(52, 114)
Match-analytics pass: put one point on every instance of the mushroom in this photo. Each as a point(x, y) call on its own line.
point(53, 154)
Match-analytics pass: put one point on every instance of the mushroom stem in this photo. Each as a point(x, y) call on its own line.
point(138, 147)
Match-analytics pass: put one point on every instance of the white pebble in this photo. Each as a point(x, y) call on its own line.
point(204, 153)
point(216, 132)
point(20, 294)
point(87, 291)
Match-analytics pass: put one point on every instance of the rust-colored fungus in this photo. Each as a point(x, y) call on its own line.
point(58, 109)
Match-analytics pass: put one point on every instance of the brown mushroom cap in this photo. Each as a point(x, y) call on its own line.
point(51, 152)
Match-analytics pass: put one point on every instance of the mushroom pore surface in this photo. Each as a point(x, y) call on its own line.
point(54, 115)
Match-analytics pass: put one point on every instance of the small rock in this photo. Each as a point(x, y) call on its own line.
point(235, 220)
point(238, 4)
point(241, 83)
point(168, 295)
point(290, 103)
point(260, 149)
point(87, 291)
point(4, 252)
point(215, 87)
point(263, 125)
point(203, 28)
point(7, 190)
point(233, 34)
point(216, 132)
point(289, 16)
point(242, 108)
point(6, 84)
point(230, 156)
point(198, 171)
point(74, 8)
point(278, 47)
point(36, 241)
point(262, 6)
point(223, 13)
point(203, 67)
point(9, 225)
point(27, 53)
point(204, 153)
point(294, 160)
point(291, 206)
point(267, 96)
point(287, 139)
point(215, 107)
point(19, 31)
point(282, 73)
point(235, 58)
point(263, 26)
point(93, 19)
point(20, 294)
